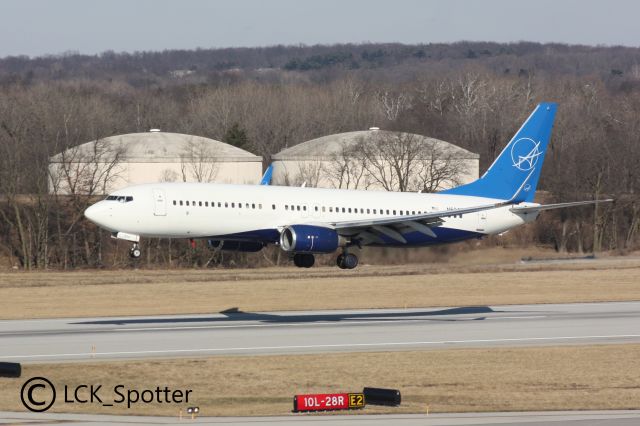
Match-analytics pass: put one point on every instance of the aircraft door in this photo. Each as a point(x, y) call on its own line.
point(482, 221)
point(159, 202)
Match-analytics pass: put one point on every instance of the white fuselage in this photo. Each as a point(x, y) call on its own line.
point(198, 210)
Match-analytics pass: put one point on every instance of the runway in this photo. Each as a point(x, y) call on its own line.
point(236, 332)
point(572, 418)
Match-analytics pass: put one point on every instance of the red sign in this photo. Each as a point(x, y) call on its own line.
point(328, 401)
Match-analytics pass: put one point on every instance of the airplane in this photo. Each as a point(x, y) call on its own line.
point(308, 221)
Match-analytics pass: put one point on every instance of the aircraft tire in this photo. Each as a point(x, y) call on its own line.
point(350, 261)
point(303, 260)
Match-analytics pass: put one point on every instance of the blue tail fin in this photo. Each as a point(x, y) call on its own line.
point(514, 174)
point(266, 178)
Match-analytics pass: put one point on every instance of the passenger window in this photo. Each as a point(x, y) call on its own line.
point(394, 212)
point(286, 206)
point(174, 202)
point(315, 207)
point(226, 204)
point(298, 208)
point(401, 213)
point(200, 203)
point(187, 202)
point(368, 211)
point(206, 204)
point(246, 205)
point(330, 209)
point(239, 205)
point(344, 210)
point(253, 205)
point(220, 204)
point(273, 206)
point(233, 205)
point(349, 209)
point(322, 209)
point(260, 206)
point(180, 202)
point(304, 208)
point(193, 203)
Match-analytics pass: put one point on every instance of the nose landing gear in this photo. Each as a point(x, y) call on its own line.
point(135, 251)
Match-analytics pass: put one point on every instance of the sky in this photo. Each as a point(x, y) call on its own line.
point(41, 27)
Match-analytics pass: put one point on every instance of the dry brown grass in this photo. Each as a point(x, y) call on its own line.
point(505, 379)
point(150, 292)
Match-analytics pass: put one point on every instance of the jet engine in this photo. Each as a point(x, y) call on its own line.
point(309, 239)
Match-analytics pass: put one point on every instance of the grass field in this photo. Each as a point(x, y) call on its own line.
point(504, 379)
point(151, 292)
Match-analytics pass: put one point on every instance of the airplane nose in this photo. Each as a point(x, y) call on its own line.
point(97, 213)
point(91, 213)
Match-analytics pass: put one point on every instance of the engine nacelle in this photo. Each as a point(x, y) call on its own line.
point(309, 239)
point(231, 245)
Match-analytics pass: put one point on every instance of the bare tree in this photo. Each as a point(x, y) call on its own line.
point(393, 104)
point(198, 162)
point(88, 169)
point(403, 162)
point(346, 168)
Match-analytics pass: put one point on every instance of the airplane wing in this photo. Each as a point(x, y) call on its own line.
point(391, 226)
point(535, 209)
point(433, 216)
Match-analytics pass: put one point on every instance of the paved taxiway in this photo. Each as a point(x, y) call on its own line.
point(235, 332)
point(571, 418)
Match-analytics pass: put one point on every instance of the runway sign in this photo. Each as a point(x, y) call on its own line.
point(328, 401)
point(378, 396)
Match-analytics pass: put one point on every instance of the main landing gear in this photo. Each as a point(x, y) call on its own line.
point(347, 260)
point(135, 251)
point(303, 260)
point(344, 260)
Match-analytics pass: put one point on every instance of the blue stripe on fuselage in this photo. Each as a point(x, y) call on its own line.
point(414, 239)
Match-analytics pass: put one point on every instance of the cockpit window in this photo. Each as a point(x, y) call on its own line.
point(120, 198)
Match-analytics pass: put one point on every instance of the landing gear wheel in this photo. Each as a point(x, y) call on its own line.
point(347, 261)
point(303, 260)
point(135, 252)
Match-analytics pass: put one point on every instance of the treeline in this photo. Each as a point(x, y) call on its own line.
point(324, 61)
point(476, 101)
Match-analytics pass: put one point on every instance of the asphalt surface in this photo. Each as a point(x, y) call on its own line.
point(234, 332)
point(571, 418)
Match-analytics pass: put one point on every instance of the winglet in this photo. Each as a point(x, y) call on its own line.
point(266, 178)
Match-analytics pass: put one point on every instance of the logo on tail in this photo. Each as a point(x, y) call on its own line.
point(525, 153)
